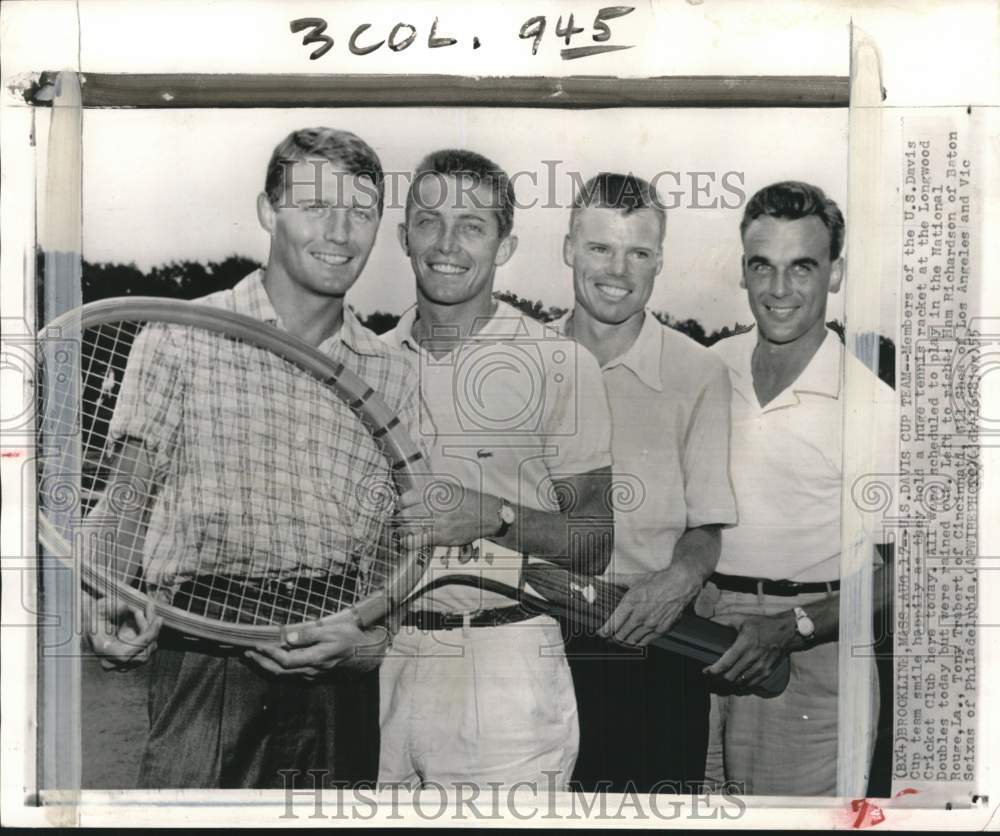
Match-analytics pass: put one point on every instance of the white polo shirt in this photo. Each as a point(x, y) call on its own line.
point(669, 401)
point(513, 406)
point(787, 465)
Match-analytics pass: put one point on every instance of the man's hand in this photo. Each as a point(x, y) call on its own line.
point(316, 649)
point(653, 602)
point(121, 635)
point(476, 516)
point(761, 643)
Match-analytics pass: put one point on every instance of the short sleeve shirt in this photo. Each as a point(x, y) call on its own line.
point(513, 406)
point(669, 401)
point(787, 466)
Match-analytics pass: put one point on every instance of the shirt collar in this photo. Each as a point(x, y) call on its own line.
point(642, 358)
point(357, 337)
point(820, 377)
point(250, 298)
point(506, 323)
point(404, 329)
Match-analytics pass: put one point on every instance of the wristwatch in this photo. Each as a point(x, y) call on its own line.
point(804, 624)
point(506, 517)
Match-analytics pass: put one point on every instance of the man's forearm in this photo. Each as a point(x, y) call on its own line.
point(698, 550)
point(549, 535)
point(578, 537)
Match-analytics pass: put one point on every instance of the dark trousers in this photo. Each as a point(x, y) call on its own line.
point(217, 721)
point(643, 718)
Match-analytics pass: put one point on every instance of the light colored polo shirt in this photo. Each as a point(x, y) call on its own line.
point(669, 402)
point(513, 406)
point(787, 466)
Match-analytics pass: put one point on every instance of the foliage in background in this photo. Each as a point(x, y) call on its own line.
point(191, 279)
point(176, 280)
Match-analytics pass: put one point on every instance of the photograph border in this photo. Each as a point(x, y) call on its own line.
point(186, 91)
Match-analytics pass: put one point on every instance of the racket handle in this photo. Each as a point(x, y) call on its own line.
point(590, 601)
point(704, 640)
point(377, 607)
point(371, 611)
point(777, 682)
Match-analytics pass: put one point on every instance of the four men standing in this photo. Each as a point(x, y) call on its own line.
point(527, 428)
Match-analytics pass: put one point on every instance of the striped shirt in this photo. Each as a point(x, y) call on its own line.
point(261, 470)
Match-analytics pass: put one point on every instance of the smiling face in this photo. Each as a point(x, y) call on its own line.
point(452, 238)
point(322, 232)
point(787, 272)
point(615, 258)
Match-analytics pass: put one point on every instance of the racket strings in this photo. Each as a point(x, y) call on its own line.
point(234, 483)
point(259, 601)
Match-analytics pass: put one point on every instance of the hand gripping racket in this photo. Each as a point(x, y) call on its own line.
point(223, 469)
point(588, 603)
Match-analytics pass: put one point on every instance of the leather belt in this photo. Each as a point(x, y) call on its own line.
point(765, 586)
point(430, 620)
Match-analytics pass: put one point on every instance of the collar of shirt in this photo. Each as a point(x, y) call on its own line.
point(820, 377)
point(642, 357)
point(250, 298)
point(506, 323)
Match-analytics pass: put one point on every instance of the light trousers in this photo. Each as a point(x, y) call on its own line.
point(481, 705)
point(785, 745)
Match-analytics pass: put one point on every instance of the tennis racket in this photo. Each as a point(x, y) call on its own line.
point(167, 477)
point(221, 469)
point(587, 603)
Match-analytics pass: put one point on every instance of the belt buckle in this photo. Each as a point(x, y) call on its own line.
point(422, 620)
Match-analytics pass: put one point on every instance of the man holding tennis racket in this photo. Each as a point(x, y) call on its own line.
point(476, 688)
point(644, 710)
point(219, 718)
point(778, 576)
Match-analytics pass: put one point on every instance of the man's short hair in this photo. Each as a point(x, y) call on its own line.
point(454, 162)
point(791, 200)
point(342, 148)
point(624, 192)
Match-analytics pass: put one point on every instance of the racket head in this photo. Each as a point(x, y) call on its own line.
point(84, 362)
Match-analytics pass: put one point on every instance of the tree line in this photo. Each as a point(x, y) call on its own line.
point(191, 279)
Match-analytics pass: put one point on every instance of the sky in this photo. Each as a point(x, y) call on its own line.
point(164, 185)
